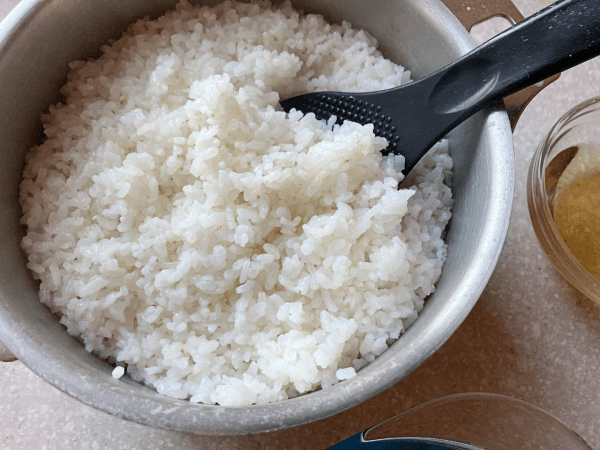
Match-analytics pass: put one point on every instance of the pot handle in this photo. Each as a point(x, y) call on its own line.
point(470, 13)
point(5, 354)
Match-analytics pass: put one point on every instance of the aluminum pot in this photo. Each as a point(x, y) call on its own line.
point(40, 37)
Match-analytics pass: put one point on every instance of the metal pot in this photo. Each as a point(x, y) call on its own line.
point(40, 37)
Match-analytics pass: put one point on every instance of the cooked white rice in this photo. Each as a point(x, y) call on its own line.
point(183, 225)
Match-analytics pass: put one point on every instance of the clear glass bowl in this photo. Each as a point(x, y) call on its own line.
point(469, 421)
point(578, 126)
point(475, 421)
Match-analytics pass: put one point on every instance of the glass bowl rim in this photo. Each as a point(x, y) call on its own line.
point(541, 216)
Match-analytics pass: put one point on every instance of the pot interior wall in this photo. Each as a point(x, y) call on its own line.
point(38, 40)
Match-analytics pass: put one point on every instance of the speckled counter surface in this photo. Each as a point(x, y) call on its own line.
point(530, 336)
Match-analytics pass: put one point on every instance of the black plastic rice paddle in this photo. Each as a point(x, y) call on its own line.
point(415, 116)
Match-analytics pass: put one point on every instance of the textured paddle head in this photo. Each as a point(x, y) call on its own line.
point(356, 107)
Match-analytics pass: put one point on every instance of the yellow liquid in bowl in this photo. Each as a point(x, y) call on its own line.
point(577, 217)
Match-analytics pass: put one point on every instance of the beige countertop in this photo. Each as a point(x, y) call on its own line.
point(530, 336)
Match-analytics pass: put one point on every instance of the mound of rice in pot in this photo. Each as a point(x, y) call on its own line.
point(221, 250)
